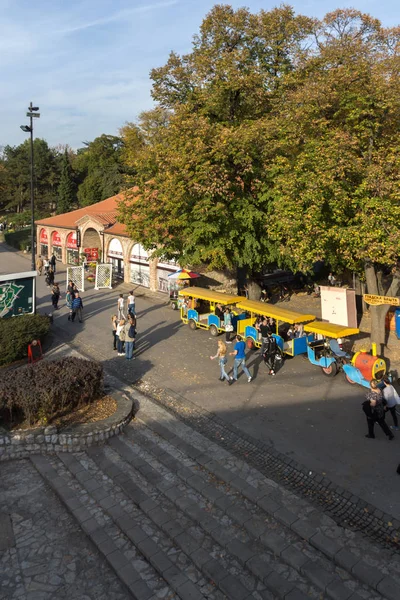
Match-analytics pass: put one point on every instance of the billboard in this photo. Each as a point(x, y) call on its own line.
point(17, 294)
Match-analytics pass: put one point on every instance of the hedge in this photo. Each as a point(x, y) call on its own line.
point(19, 239)
point(17, 332)
point(38, 393)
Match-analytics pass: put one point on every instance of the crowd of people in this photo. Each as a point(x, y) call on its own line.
point(381, 398)
point(124, 327)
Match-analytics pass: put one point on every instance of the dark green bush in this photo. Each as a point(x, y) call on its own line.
point(38, 393)
point(17, 332)
point(19, 239)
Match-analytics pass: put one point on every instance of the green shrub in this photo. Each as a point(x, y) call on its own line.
point(19, 239)
point(38, 393)
point(17, 332)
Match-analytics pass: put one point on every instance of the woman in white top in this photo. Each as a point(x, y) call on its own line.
point(120, 335)
point(131, 303)
point(392, 401)
point(121, 312)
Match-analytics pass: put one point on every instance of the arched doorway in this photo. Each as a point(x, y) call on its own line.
point(116, 257)
point(56, 245)
point(72, 249)
point(44, 243)
point(140, 268)
point(91, 244)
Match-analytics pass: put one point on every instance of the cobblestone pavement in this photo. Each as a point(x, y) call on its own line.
point(166, 512)
point(43, 553)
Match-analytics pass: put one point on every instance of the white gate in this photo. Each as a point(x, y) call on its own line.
point(77, 276)
point(103, 276)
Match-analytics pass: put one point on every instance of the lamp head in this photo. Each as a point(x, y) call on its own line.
point(25, 128)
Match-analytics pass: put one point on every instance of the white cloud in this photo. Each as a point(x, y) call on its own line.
point(118, 16)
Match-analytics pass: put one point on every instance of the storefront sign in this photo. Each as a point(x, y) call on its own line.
point(92, 254)
point(71, 240)
point(78, 238)
point(43, 237)
point(56, 239)
point(379, 300)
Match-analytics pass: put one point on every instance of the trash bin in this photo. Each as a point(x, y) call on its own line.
point(397, 322)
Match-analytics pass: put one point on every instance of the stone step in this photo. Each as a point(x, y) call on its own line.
point(370, 566)
point(140, 579)
point(259, 533)
point(181, 526)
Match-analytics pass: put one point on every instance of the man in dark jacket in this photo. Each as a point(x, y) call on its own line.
point(269, 353)
point(53, 263)
point(77, 306)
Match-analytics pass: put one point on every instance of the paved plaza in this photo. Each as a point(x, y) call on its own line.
point(261, 490)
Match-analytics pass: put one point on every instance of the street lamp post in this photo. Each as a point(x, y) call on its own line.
point(32, 112)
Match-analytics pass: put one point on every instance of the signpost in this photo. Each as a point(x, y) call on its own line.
point(374, 300)
point(17, 294)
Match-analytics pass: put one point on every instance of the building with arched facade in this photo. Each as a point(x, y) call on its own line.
point(94, 231)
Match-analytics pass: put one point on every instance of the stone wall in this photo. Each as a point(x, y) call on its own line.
point(21, 443)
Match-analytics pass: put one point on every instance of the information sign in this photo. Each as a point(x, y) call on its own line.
point(374, 300)
point(17, 294)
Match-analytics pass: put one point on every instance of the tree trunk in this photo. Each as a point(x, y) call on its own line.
point(374, 279)
point(254, 290)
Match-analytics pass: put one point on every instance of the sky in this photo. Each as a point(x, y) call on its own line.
point(86, 63)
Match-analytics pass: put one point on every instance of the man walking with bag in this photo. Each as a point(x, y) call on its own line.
point(77, 306)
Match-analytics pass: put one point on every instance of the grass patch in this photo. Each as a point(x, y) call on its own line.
point(19, 239)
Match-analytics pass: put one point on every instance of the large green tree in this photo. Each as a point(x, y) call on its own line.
point(66, 193)
point(100, 169)
point(200, 160)
point(336, 185)
point(17, 178)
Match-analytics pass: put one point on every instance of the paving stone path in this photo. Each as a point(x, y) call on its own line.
point(164, 512)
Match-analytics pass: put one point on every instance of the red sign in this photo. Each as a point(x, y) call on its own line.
point(71, 241)
point(43, 237)
point(92, 254)
point(56, 239)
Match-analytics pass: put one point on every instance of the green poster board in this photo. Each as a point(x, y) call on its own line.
point(17, 294)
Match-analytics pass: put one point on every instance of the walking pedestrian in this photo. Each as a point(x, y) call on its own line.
point(269, 352)
point(46, 265)
point(239, 352)
point(264, 329)
point(228, 325)
point(120, 334)
point(120, 306)
point(39, 265)
point(130, 337)
point(114, 323)
point(50, 277)
point(77, 307)
point(68, 300)
point(222, 359)
point(53, 263)
point(374, 410)
point(131, 303)
point(55, 295)
point(392, 401)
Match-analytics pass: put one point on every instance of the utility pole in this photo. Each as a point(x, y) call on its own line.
point(32, 112)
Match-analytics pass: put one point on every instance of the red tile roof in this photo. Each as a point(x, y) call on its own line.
point(117, 229)
point(105, 211)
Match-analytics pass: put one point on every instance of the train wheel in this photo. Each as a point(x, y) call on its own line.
point(347, 378)
point(174, 306)
point(214, 331)
point(331, 370)
point(192, 324)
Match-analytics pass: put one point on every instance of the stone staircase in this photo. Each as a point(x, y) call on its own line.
point(177, 516)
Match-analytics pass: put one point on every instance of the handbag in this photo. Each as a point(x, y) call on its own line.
point(229, 327)
point(132, 332)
